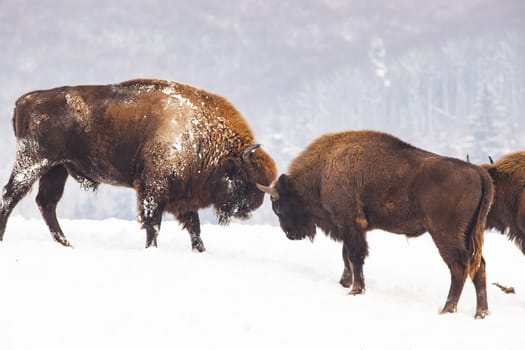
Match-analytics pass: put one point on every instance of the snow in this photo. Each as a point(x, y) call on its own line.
point(171, 92)
point(252, 288)
point(28, 173)
point(26, 167)
point(149, 205)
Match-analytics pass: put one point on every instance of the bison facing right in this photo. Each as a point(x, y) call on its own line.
point(507, 214)
point(352, 182)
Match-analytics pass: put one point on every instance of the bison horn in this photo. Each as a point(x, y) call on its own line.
point(270, 190)
point(248, 151)
point(491, 160)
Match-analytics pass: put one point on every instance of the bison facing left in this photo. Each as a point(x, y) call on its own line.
point(352, 182)
point(181, 149)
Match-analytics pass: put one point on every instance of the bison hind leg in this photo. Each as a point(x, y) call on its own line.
point(455, 254)
point(480, 285)
point(25, 173)
point(50, 190)
point(457, 262)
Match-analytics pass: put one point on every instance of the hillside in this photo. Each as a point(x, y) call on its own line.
point(445, 75)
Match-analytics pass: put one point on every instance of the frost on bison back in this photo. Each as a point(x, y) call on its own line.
point(181, 148)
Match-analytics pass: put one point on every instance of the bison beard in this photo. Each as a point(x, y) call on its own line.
point(181, 148)
point(352, 182)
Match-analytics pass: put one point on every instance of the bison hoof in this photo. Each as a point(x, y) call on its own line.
point(196, 244)
point(481, 314)
point(345, 283)
point(449, 309)
point(62, 240)
point(151, 243)
point(357, 291)
point(199, 248)
point(346, 278)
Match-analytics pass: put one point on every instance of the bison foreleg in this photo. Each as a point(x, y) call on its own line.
point(190, 221)
point(50, 190)
point(356, 251)
point(150, 215)
point(347, 277)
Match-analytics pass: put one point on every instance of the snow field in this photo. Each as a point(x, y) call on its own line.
point(252, 288)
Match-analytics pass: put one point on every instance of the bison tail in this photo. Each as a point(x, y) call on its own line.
point(20, 119)
point(478, 226)
point(17, 121)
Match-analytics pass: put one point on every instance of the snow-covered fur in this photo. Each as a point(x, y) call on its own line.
point(181, 148)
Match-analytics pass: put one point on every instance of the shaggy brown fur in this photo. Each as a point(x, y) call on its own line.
point(507, 214)
point(352, 182)
point(181, 148)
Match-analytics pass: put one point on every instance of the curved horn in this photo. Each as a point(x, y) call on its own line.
point(468, 158)
point(270, 190)
point(248, 151)
point(491, 160)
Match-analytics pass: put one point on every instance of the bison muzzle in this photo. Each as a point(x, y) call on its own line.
point(179, 147)
point(351, 182)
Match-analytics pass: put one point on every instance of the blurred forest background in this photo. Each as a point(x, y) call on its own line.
point(444, 75)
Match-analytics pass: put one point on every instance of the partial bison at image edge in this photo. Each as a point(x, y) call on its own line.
point(507, 214)
point(351, 182)
point(181, 148)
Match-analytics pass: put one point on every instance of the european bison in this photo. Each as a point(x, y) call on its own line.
point(351, 182)
point(507, 214)
point(181, 148)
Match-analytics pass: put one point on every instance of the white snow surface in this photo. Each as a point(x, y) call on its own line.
point(251, 289)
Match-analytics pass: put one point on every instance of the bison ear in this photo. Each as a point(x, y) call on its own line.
point(493, 172)
point(231, 166)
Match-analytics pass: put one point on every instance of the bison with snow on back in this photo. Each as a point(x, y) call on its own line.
point(507, 213)
point(351, 182)
point(181, 148)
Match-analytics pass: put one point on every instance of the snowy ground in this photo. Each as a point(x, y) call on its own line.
point(252, 289)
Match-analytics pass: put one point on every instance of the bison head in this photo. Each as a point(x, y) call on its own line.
point(236, 194)
point(287, 204)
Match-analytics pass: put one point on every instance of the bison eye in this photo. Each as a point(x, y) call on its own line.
point(277, 207)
